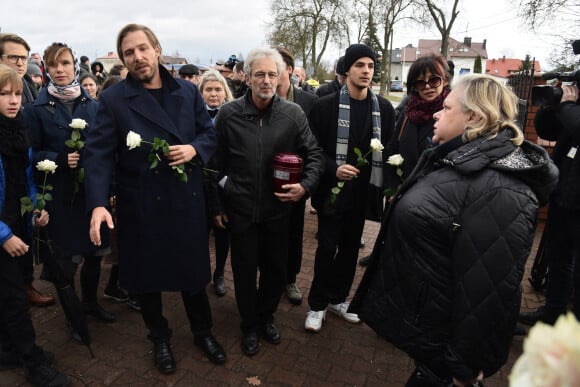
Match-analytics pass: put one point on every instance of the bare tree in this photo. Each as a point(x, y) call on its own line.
point(439, 17)
point(381, 16)
point(561, 19)
point(307, 27)
point(539, 12)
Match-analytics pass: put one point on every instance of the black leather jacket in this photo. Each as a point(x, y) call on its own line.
point(248, 140)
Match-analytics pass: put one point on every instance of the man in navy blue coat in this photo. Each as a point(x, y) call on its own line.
point(161, 220)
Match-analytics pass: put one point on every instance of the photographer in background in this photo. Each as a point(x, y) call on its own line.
point(561, 123)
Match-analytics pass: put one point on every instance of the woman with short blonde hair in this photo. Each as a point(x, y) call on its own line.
point(444, 279)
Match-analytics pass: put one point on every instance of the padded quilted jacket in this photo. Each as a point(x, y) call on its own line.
point(444, 280)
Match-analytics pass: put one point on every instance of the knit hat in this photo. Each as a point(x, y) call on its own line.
point(356, 51)
point(339, 69)
point(33, 69)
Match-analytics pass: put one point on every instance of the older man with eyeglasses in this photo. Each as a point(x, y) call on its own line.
point(252, 130)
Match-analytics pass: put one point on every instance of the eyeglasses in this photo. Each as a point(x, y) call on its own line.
point(433, 82)
point(15, 58)
point(188, 76)
point(262, 75)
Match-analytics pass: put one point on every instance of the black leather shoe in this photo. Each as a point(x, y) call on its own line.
point(164, 360)
point(212, 349)
point(270, 333)
point(250, 344)
point(219, 285)
point(99, 313)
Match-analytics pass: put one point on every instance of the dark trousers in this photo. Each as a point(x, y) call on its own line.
point(196, 306)
point(563, 254)
point(262, 246)
point(295, 236)
point(27, 270)
point(16, 329)
point(222, 246)
point(336, 257)
point(89, 276)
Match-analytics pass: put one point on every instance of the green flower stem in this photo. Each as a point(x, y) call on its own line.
point(41, 207)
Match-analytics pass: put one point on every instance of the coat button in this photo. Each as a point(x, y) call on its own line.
point(195, 194)
point(156, 172)
point(157, 197)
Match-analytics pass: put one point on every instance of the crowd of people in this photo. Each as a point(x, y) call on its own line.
point(148, 165)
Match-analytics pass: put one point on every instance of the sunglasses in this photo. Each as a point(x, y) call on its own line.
point(433, 82)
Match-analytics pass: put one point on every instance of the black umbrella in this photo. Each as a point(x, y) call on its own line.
point(55, 270)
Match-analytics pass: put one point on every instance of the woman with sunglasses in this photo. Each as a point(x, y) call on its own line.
point(427, 86)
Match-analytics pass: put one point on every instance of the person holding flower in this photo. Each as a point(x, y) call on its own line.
point(351, 125)
point(58, 121)
point(17, 336)
point(443, 283)
point(154, 133)
point(427, 86)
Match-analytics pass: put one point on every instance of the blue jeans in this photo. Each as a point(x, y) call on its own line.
point(563, 252)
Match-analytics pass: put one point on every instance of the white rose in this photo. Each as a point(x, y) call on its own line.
point(133, 140)
point(376, 145)
point(395, 160)
point(46, 166)
point(551, 355)
point(78, 123)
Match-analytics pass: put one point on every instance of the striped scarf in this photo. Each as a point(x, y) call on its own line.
point(343, 133)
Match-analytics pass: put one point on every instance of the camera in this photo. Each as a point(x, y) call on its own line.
point(550, 95)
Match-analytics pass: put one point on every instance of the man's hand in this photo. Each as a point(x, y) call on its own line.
point(346, 172)
point(569, 93)
point(221, 221)
point(100, 215)
point(15, 247)
point(295, 193)
point(73, 160)
point(180, 154)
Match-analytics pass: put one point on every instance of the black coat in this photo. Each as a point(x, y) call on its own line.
point(48, 121)
point(562, 124)
point(409, 141)
point(444, 280)
point(304, 99)
point(323, 121)
point(328, 88)
point(162, 227)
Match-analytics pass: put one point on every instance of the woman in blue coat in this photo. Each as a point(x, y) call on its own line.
point(49, 120)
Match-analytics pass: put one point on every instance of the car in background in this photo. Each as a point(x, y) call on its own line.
point(396, 86)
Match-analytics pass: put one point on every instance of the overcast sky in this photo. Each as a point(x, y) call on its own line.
point(206, 31)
